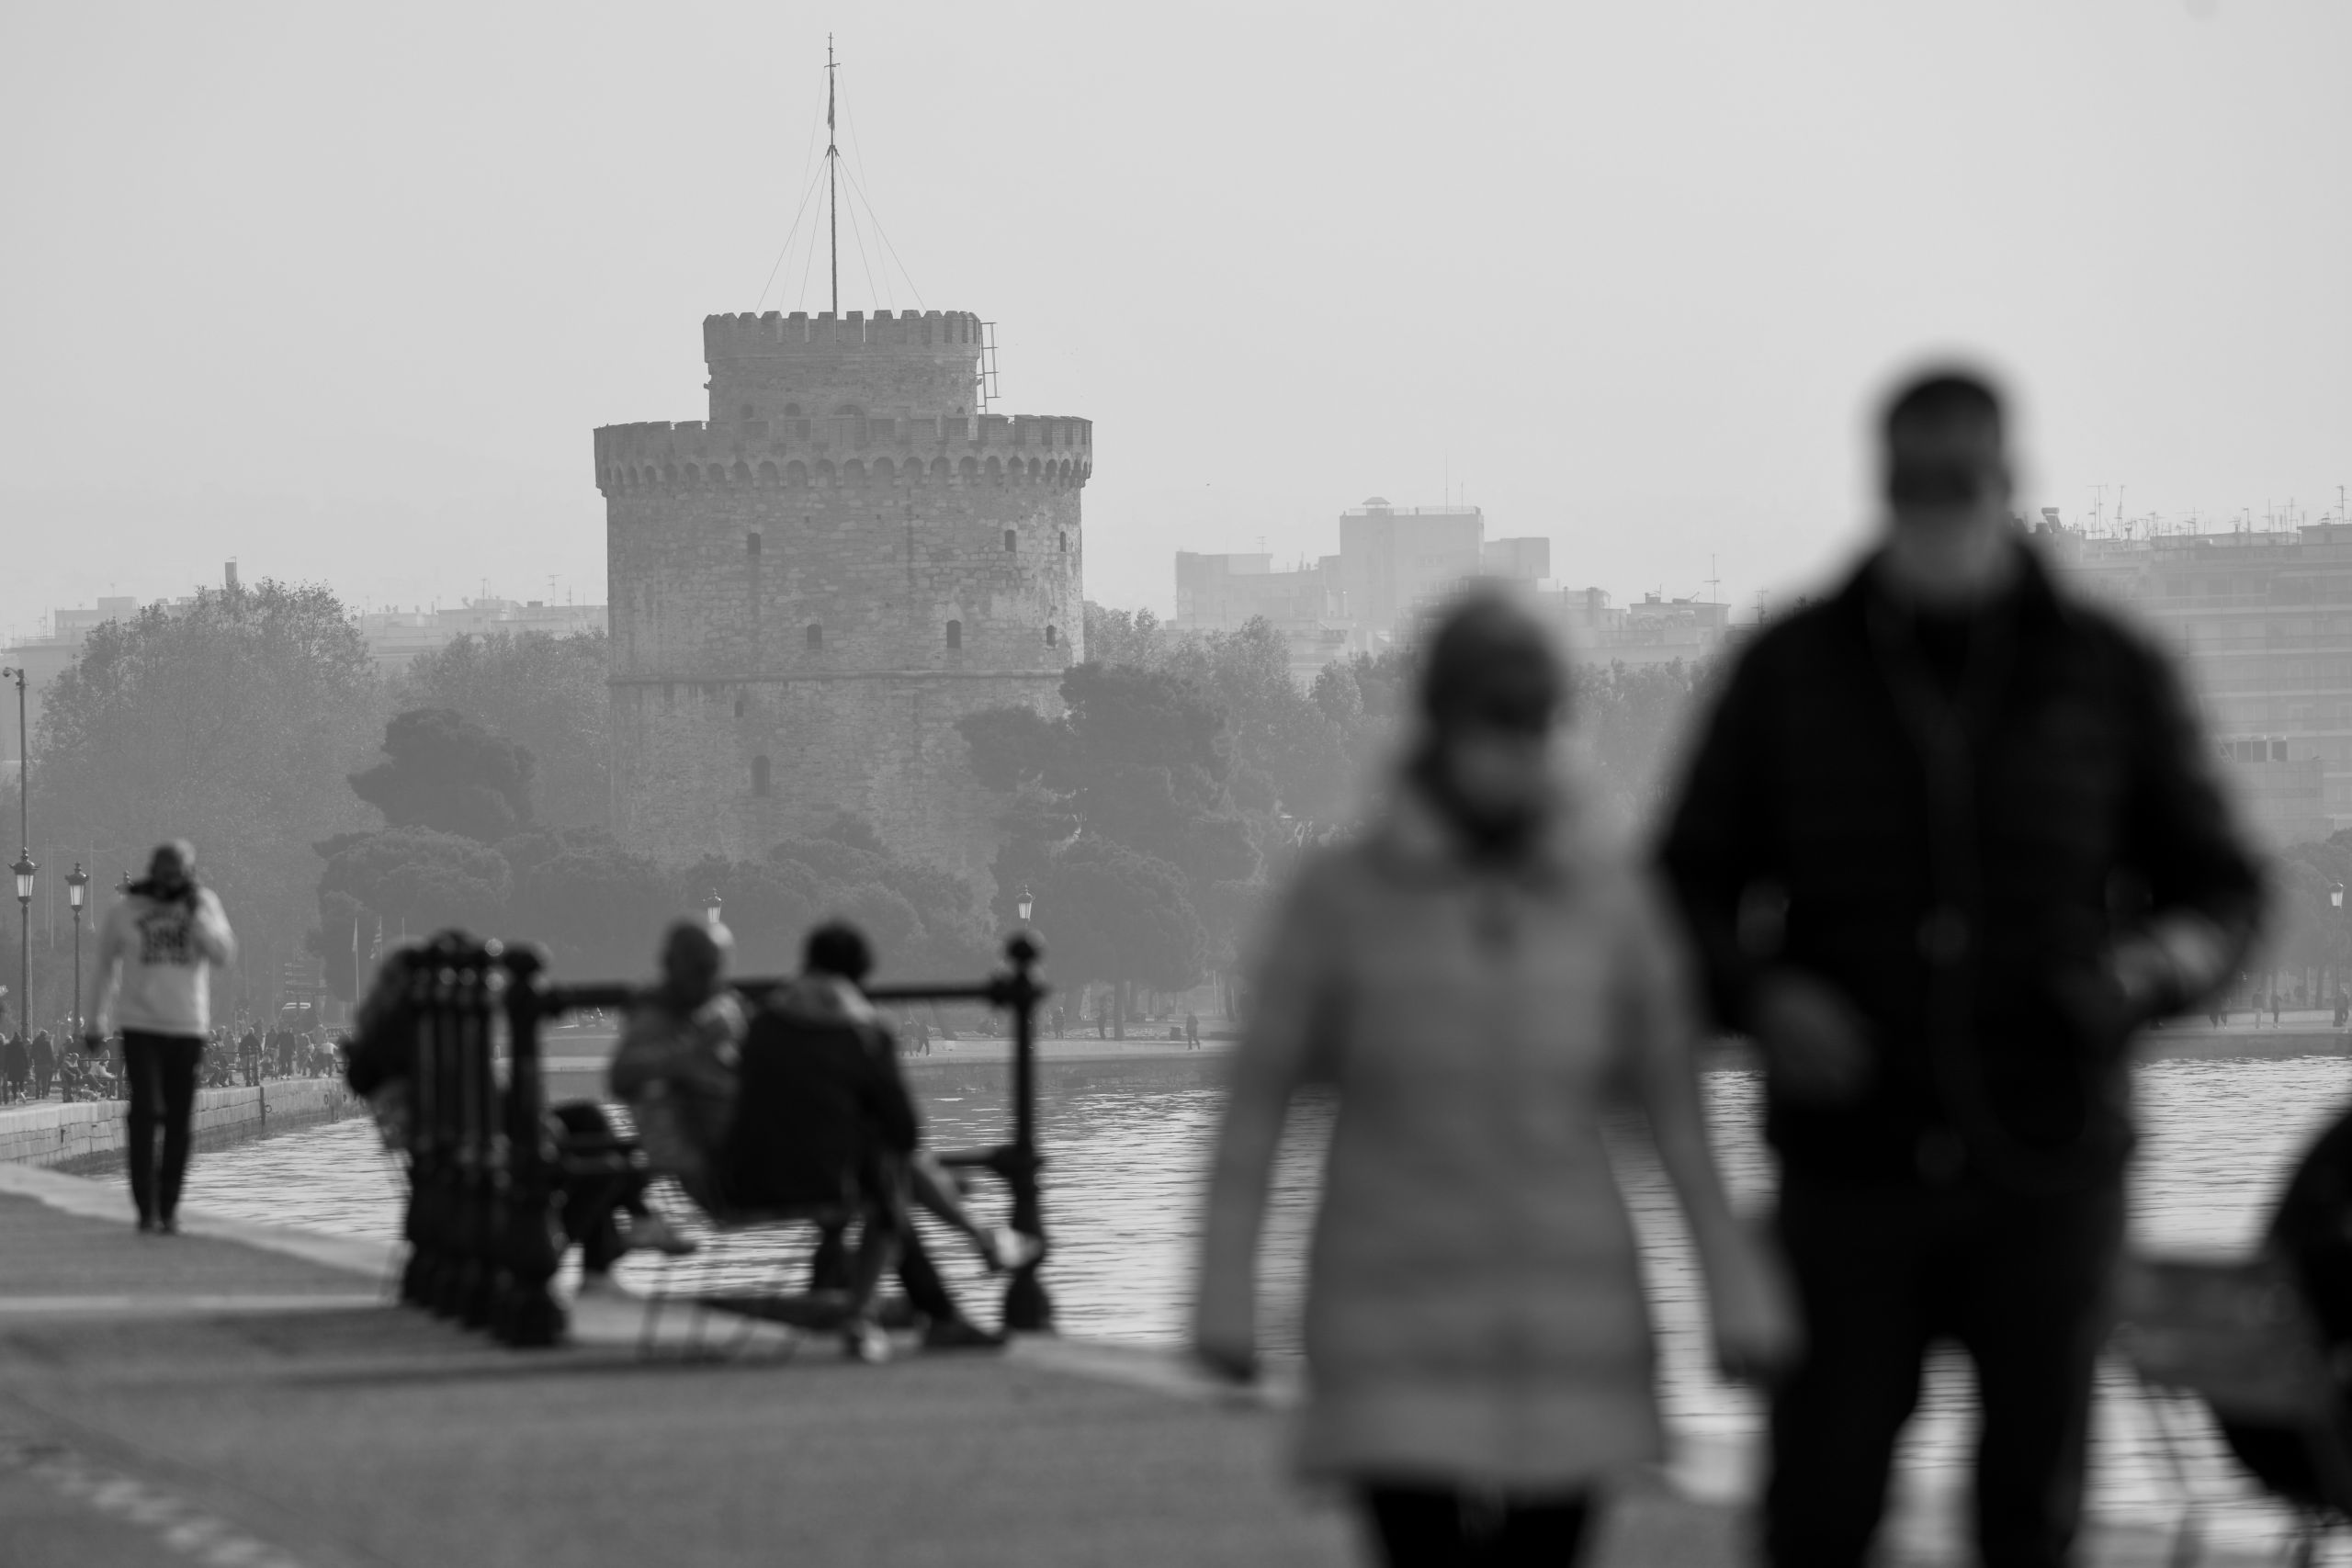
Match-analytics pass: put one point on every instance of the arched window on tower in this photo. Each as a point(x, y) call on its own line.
point(760, 775)
point(1012, 539)
point(1050, 637)
point(791, 411)
point(1063, 535)
point(955, 634)
point(816, 637)
point(751, 544)
point(742, 704)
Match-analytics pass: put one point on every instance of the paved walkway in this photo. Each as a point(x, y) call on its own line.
point(243, 1394)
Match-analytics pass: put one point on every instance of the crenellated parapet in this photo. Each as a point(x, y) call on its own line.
point(941, 449)
point(728, 336)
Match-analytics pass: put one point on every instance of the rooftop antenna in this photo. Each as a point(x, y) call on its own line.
point(1715, 581)
point(832, 175)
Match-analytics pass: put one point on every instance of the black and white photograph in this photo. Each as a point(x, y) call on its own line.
point(1069, 786)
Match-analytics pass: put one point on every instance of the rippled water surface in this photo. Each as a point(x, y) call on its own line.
point(1126, 1169)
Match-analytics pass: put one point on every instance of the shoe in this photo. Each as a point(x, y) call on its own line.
point(654, 1232)
point(146, 1225)
point(168, 1225)
point(1005, 1249)
point(862, 1340)
point(960, 1333)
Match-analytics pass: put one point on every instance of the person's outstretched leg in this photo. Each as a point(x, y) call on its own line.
point(175, 1075)
point(1417, 1526)
point(141, 1065)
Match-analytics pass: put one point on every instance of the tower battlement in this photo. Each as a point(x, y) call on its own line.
point(726, 336)
point(977, 448)
point(775, 366)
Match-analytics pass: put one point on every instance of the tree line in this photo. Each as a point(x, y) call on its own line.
point(334, 810)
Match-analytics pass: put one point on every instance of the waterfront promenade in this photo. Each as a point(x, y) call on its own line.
point(243, 1395)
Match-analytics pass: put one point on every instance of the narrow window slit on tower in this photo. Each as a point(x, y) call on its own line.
point(1049, 636)
point(760, 775)
point(751, 544)
point(955, 634)
point(816, 637)
point(1063, 536)
point(1012, 539)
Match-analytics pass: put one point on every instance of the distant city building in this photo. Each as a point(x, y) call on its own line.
point(1396, 560)
point(1306, 605)
point(1395, 563)
point(2263, 624)
point(396, 636)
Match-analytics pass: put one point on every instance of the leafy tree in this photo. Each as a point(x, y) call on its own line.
point(229, 721)
point(448, 772)
point(545, 694)
point(418, 880)
point(598, 909)
point(1633, 720)
point(1127, 636)
point(923, 919)
point(1109, 913)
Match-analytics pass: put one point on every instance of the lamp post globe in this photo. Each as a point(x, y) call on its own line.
point(711, 904)
point(77, 884)
point(1028, 902)
point(24, 868)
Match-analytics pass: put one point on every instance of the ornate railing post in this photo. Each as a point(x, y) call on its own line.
point(424, 1149)
point(478, 1106)
point(532, 1236)
point(1027, 1309)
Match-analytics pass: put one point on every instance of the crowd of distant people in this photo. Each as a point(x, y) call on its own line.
point(59, 1064)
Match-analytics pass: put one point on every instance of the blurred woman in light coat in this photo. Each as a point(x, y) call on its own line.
point(1480, 977)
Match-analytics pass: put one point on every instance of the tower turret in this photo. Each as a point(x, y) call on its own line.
point(777, 366)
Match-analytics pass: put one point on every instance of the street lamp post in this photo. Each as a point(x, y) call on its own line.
point(24, 867)
point(711, 903)
point(77, 883)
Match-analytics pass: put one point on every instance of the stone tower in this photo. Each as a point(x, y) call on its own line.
point(812, 586)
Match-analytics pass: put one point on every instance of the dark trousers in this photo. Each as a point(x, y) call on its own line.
point(593, 1198)
point(2020, 1281)
point(829, 1268)
point(161, 1070)
point(1430, 1527)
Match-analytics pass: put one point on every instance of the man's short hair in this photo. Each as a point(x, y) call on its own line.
point(1939, 399)
point(838, 948)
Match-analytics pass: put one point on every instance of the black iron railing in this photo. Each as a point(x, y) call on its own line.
point(486, 1164)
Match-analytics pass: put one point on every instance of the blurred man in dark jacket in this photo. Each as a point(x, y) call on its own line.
point(824, 1114)
point(1949, 838)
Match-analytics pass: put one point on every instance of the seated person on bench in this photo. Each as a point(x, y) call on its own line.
point(678, 1065)
point(381, 1066)
point(791, 1136)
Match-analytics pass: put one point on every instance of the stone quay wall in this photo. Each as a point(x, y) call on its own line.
point(84, 1134)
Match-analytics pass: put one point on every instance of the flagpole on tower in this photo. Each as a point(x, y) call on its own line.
point(833, 189)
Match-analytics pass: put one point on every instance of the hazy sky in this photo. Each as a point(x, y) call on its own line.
point(341, 290)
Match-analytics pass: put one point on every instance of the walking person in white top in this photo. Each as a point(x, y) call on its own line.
point(163, 937)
